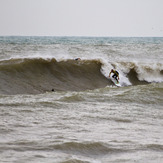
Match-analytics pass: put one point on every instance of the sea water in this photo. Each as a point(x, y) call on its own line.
point(86, 118)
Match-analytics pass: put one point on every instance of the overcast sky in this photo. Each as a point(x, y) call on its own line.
point(81, 17)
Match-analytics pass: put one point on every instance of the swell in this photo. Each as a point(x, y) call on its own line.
point(92, 148)
point(95, 149)
point(33, 76)
point(88, 148)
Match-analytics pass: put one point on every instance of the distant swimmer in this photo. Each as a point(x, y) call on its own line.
point(115, 74)
point(77, 59)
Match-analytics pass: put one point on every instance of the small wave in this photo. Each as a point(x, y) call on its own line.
point(72, 98)
point(155, 147)
point(75, 161)
point(95, 148)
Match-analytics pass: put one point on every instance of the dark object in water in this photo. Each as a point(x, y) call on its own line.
point(77, 59)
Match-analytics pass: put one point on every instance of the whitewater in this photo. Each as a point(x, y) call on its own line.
point(54, 108)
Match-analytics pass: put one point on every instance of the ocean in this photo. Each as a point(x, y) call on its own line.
point(57, 109)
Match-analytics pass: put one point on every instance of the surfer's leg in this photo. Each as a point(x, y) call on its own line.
point(114, 76)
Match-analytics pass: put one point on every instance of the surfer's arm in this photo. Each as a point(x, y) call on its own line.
point(109, 74)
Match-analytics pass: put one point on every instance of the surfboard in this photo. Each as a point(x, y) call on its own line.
point(115, 82)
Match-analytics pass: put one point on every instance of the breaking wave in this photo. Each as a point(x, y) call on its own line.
point(141, 73)
point(38, 75)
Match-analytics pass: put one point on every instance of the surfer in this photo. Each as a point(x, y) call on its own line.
point(115, 74)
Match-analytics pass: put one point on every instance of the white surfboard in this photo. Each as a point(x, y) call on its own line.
point(115, 82)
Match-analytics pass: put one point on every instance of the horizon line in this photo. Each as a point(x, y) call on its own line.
point(75, 36)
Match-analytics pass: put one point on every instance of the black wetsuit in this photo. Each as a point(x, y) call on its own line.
point(115, 75)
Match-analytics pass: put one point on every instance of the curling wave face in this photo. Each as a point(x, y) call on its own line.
point(38, 75)
point(23, 76)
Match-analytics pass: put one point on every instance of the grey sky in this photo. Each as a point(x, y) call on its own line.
point(81, 17)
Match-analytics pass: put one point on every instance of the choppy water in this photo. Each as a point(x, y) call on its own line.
point(86, 118)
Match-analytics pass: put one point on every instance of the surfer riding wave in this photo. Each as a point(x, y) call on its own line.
point(115, 75)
